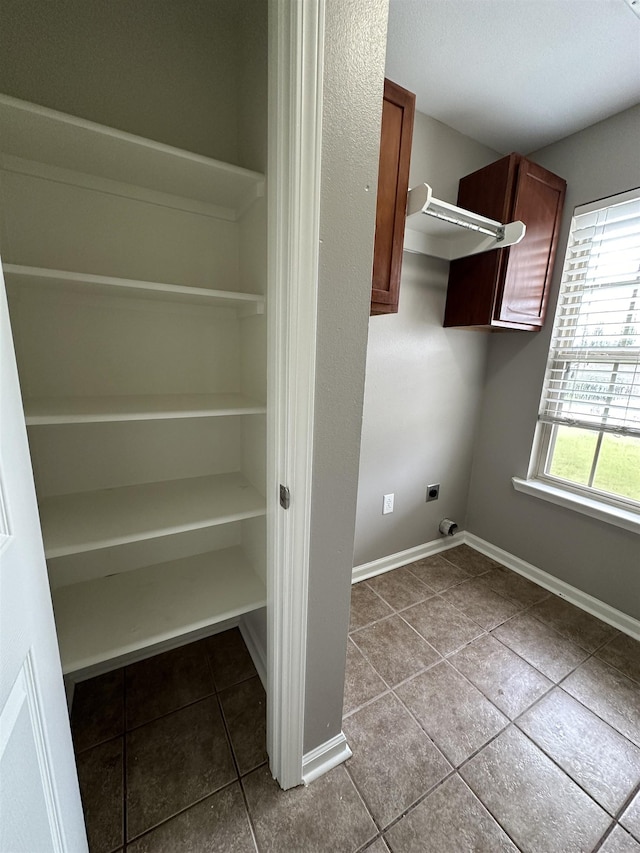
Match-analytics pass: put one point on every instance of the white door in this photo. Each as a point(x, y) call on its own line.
point(40, 808)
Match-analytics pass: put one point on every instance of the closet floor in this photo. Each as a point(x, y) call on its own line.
point(483, 713)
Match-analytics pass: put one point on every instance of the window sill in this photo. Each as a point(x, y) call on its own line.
point(617, 516)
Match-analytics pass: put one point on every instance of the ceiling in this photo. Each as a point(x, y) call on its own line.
point(516, 74)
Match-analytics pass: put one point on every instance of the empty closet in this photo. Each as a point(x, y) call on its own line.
point(136, 277)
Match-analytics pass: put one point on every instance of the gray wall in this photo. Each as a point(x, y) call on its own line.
point(601, 560)
point(423, 383)
point(354, 70)
point(170, 71)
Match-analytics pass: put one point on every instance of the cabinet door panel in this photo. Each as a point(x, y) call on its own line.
point(538, 203)
point(472, 281)
point(507, 288)
point(393, 182)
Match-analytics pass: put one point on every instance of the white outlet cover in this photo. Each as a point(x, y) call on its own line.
point(387, 504)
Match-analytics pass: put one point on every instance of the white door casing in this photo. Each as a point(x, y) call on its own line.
point(40, 801)
point(296, 46)
point(40, 808)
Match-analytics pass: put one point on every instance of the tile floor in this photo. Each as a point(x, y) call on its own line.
point(483, 713)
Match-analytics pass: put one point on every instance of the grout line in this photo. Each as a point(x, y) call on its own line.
point(181, 811)
point(363, 801)
point(596, 714)
point(634, 793)
point(566, 636)
point(528, 662)
point(170, 713)
point(208, 696)
point(420, 800)
point(605, 836)
point(228, 737)
point(125, 811)
point(553, 685)
point(366, 704)
point(566, 773)
point(522, 609)
point(489, 699)
point(493, 816)
point(252, 827)
point(369, 844)
point(392, 686)
point(247, 811)
point(233, 781)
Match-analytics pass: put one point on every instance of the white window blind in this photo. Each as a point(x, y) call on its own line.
point(593, 374)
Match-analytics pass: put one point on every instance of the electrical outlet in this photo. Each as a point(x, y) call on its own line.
point(387, 504)
point(433, 492)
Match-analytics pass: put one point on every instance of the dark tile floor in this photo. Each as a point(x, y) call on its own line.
point(483, 713)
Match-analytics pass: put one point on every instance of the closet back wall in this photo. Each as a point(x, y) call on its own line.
point(168, 71)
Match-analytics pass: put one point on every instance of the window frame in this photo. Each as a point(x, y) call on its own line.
point(539, 482)
point(545, 438)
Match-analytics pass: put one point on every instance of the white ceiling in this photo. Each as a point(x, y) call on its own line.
point(517, 74)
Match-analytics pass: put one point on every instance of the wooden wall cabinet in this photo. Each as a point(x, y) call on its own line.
point(398, 111)
point(508, 288)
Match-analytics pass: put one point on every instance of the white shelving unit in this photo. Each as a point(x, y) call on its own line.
point(88, 521)
point(20, 277)
point(136, 279)
point(85, 410)
point(111, 617)
point(445, 231)
point(89, 152)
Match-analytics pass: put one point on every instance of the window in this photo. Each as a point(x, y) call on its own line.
point(588, 436)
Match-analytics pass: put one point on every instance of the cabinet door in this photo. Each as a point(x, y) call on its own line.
point(538, 203)
point(508, 288)
point(393, 182)
point(471, 293)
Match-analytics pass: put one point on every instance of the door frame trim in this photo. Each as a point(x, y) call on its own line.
point(296, 47)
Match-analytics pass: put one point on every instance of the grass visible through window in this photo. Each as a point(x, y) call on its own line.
point(618, 468)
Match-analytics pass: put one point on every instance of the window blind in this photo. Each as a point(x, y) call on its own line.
point(593, 373)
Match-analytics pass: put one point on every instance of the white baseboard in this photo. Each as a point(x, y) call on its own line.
point(256, 649)
point(395, 561)
point(622, 621)
point(324, 758)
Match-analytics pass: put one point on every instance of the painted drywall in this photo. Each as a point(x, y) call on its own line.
point(601, 560)
point(252, 82)
point(161, 69)
point(352, 105)
point(423, 382)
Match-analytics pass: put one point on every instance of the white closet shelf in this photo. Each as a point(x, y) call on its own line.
point(130, 407)
point(88, 521)
point(34, 133)
point(445, 231)
point(102, 619)
point(18, 277)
